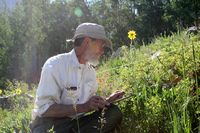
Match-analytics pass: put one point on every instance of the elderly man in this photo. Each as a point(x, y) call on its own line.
point(67, 87)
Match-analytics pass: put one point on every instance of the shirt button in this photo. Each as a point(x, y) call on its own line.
point(90, 90)
point(78, 87)
point(77, 99)
point(79, 67)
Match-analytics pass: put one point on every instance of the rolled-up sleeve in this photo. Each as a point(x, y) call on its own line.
point(48, 92)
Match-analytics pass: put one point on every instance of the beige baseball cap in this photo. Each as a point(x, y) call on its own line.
point(91, 30)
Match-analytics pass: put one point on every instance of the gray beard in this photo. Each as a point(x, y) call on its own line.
point(91, 59)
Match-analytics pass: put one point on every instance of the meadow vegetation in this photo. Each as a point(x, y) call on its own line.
point(163, 78)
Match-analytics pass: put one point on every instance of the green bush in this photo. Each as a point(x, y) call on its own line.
point(16, 116)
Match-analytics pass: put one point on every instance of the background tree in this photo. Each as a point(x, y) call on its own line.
point(117, 17)
point(182, 13)
point(6, 48)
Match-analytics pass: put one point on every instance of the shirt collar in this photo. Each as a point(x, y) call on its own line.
point(75, 62)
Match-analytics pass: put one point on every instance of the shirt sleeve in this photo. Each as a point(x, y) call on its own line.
point(48, 91)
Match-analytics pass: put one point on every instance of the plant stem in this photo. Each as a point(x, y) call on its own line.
point(197, 86)
point(195, 70)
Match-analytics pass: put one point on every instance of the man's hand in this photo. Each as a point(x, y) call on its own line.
point(116, 95)
point(94, 103)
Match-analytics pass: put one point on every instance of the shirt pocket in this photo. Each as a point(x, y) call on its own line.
point(69, 96)
point(89, 90)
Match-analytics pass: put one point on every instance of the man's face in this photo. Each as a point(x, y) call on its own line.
point(94, 51)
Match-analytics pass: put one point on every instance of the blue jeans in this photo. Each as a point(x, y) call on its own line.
point(87, 124)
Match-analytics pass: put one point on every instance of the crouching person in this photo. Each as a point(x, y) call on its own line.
point(67, 87)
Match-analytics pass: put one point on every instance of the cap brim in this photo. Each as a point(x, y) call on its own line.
point(108, 43)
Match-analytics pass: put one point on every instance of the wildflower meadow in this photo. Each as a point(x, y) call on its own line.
point(162, 78)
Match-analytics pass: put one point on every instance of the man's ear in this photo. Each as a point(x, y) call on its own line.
point(86, 41)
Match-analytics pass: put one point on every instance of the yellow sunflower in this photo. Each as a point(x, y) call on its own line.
point(123, 47)
point(131, 34)
point(0, 91)
point(18, 91)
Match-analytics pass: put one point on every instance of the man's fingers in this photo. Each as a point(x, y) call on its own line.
point(101, 100)
point(97, 102)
